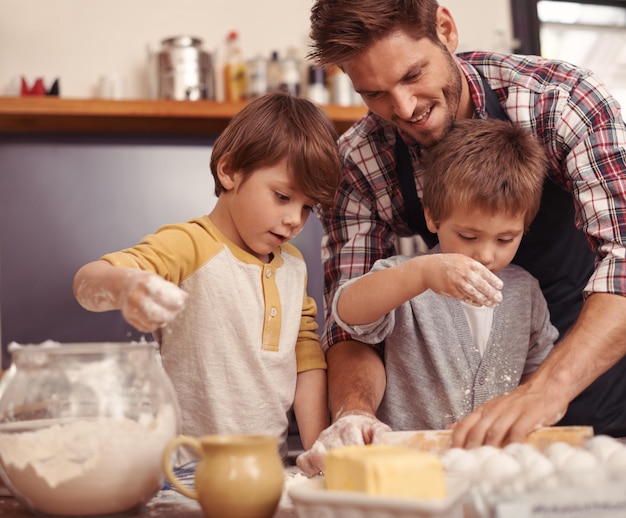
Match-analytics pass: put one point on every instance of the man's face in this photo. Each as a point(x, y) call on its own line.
point(416, 84)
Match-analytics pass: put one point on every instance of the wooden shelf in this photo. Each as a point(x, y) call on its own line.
point(53, 115)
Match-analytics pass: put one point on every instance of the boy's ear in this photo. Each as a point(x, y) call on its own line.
point(225, 174)
point(430, 222)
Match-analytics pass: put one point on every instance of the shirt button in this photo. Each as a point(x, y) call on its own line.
point(268, 273)
point(481, 381)
point(273, 312)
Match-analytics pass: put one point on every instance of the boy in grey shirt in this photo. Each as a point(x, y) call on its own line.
point(445, 353)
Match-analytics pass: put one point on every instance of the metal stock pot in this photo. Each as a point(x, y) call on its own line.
point(185, 71)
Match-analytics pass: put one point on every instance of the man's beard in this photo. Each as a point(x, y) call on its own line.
point(452, 95)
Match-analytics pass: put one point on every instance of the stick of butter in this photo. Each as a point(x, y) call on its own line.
point(385, 470)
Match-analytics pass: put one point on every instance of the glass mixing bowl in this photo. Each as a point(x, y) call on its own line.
point(83, 426)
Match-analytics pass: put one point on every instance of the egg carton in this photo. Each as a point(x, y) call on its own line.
point(602, 501)
point(562, 481)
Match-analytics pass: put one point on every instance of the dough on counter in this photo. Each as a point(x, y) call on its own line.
point(384, 470)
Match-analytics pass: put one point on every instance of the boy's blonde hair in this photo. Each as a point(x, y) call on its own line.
point(279, 126)
point(487, 164)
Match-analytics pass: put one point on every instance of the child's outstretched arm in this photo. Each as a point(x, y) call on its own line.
point(146, 300)
point(375, 294)
point(311, 405)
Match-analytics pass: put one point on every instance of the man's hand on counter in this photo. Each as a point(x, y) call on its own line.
point(349, 428)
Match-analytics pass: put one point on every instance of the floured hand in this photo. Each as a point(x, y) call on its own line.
point(463, 278)
point(149, 301)
point(350, 428)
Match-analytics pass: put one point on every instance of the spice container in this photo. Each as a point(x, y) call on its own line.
point(83, 426)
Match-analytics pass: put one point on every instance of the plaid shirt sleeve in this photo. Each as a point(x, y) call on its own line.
point(592, 129)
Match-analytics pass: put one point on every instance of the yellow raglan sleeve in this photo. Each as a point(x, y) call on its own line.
point(309, 353)
point(174, 252)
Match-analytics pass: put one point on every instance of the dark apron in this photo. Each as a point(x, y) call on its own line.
point(557, 254)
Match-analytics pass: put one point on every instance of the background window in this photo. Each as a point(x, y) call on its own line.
point(588, 35)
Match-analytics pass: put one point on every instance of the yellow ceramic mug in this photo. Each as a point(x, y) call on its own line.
point(238, 476)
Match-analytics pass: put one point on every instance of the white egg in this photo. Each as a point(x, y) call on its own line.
point(603, 446)
point(460, 461)
point(453, 455)
point(536, 466)
point(485, 487)
point(616, 463)
point(483, 452)
point(499, 468)
point(518, 449)
point(581, 469)
point(522, 452)
point(580, 460)
point(516, 486)
point(549, 483)
point(559, 452)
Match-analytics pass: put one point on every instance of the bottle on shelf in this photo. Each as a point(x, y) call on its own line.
point(273, 72)
point(316, 89)
point(256, 81)
point(341, 90)
point(234, 70)
point(290, 74)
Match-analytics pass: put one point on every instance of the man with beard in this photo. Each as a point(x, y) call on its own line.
point(400, 57)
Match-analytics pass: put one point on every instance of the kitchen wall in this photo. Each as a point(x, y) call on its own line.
point(66, 199)
point(79, 41)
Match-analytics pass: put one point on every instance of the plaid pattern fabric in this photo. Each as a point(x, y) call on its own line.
point(567, 108)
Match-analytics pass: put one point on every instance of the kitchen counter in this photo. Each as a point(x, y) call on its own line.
point(168, 503)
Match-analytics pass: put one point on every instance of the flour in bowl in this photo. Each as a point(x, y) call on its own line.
point(93, 466)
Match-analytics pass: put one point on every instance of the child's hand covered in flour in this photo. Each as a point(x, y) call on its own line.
point(146, 300)
point(461, 277)
point(149, 302)
point(350, 428)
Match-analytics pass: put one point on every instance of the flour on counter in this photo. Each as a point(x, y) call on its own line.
point(293, 477)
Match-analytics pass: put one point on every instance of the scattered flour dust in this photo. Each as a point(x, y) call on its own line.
point(88, 467)
point(293, 477)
